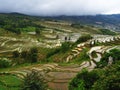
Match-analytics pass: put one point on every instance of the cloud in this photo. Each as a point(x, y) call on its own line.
point(61, 7)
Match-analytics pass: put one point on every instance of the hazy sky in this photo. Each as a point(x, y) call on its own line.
point(61, 7)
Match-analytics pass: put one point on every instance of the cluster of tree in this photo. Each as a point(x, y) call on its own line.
point(107, 32)
point(114, 53)
point(83, 81)
point(106, 78)
point(64, 48)
point(34, 81)
point(4, 63)
point(100, 79)
point(37, 31)
point(84, 38)
point(26, 56)
point(83, 56)
point(77, 25)
point(17, 23)
point(109, 79)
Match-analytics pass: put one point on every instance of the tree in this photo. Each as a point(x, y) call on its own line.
point(110, 79)
point(34, 81)
point(83, 80)
point(18, 31)
point(24, 54)
point(65, 38)
point(114, 53)
point(34, 54)
point(4, 63)
point(37, 31)
point(107, 32)
point(83, 38)
point(16, 54)
point(65, 46)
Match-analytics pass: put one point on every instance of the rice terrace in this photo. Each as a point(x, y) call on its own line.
point(60, 48)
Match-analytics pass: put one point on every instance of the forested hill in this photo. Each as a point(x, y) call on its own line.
point(105, 21)
point(17, 22)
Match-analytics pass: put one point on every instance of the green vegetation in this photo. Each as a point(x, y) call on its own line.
point(36, 32)
point(114, 53)
point(83, 81)
point(53, 52)
point(9, 82)
point(106, 78)
point(16, 54)
point(77, 26)
point(107, 32)
point(94, 55)
point(33, 55)
point(57, 55)
point(18, 23)
point(99, 79)
point(34, 81)
point(83, 56)
point(4, 63)
point(30, 56)
point(110, 79)
point(84, 38)
point(65, 47)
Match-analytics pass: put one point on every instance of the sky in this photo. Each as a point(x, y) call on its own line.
point(61, 7)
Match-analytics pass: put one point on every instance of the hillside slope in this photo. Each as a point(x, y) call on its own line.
point(105, 21)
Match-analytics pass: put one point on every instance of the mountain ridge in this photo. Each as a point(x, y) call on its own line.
point(111, 21)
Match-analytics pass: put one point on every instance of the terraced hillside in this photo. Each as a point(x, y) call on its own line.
point(21, 33)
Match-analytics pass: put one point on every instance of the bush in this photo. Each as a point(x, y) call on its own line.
point(83, 80)
point(110, 79)
point(34, 81)
point(33, 55)
point(115, 53)
point(30, 56)
point(83, 38)
point(16, 54)
point(77, 26)
point(52, 52)
point(65, 47)
point(99, 79)
point(4, 63)
point(37, 31)
point(83, 56)
point(107, 32)
point(24, 54)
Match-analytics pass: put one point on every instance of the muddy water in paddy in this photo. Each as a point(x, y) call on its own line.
point(60, 80)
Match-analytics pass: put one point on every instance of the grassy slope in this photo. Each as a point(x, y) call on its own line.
point(11, 82)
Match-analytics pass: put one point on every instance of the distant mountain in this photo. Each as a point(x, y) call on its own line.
point(14, 13)
point(105, 21)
